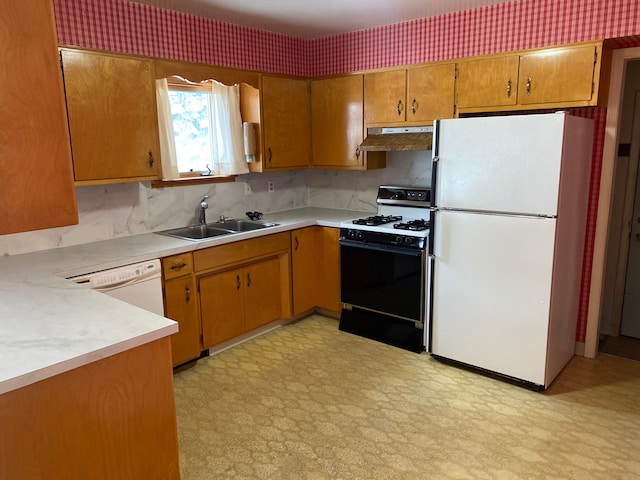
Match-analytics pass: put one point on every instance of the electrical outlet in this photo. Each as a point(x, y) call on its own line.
point(247, 188)
point(270, 187)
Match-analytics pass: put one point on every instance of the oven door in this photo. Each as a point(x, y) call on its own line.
point(385, 279)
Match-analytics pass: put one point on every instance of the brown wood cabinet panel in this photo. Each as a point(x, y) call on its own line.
point(328, 292)
point(262, 298)
point(430, 93)
point(177, 265)
point(385, 97)
point(181, 305)
point(36, 179)
point(286, 118)
point(487, 82)
point(113, 119)
point(114, 418)
point(222, 306)
point(557, 75)
point(337, 122)
point(237, 252)
point(304, 264)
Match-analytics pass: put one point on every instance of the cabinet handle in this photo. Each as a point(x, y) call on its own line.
point(151, 160)
point(178, 266)
point(414, 106)
point(270, 155)
point(509, 88)
point(297, 243)
point(400, 107)
point(238, 284)
point(528, 85)
point(187, 294)
point(357, 154)
point(248, 279)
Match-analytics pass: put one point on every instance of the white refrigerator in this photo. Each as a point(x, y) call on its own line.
point(508, 229)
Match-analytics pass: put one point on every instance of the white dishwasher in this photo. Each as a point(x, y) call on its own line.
point(138, 284)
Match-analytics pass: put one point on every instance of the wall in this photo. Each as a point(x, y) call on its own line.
point(124, 26)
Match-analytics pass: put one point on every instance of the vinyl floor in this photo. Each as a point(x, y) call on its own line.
point(309, 402)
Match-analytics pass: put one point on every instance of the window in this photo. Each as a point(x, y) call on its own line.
point(200, 127)
point(192, 124)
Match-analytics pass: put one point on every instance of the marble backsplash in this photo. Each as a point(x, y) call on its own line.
point(117, 210)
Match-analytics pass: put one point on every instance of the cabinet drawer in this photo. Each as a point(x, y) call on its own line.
point(238, 252)
point(177, 265)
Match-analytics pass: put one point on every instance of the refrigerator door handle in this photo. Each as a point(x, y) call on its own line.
point(429, 301)
point(540, 216)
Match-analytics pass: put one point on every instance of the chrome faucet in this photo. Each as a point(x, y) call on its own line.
point(203, 207)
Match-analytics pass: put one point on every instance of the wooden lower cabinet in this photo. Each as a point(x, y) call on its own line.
point(181, 305)
point(315, 256)
point(262, 299)
point(222, 306)
point(113, 418)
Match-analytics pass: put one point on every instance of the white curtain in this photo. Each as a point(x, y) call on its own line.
point(228, 140)
point(167, 137)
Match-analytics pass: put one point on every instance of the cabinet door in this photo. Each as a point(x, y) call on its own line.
point(286, 122)
point(36, 180)
point(385, 97)
point(180, 304)
point(337, 123)
point(557, 75)
point(487, 82)
point(430, 93)
point(221, 306)
point(328, 290)
point(263, 303)
point(305, 267)
point(113, 120)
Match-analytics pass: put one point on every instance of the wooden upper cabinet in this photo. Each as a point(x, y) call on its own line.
point(385, 97)
point(36, 179)
point(430, 93)
point(286, 121)
point(113, 120)
point(488, 82)
point(337, 125)
point(557, 75)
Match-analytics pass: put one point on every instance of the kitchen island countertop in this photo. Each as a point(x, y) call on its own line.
point(49, 325)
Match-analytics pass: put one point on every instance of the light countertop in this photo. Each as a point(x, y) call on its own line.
point(49, 325)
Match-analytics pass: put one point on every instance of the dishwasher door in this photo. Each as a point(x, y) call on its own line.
point(139, 284)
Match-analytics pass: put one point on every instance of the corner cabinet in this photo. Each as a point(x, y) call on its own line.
point(337, 125)
point(412, 96)
point(36, 179)
point(559, 77)
point(315, 257)
point(113, 121)
point(285, 125)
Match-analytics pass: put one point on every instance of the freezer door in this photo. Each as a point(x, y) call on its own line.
point(501, 164)
point(491, 292)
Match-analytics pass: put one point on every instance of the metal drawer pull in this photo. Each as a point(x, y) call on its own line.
point(248, 279)
point(178, 266)
point(187, 294)
point(399, 107)
point(151, 159)
point(528, 85)
point(414, 106)
point(509, 88)
point(238, 284)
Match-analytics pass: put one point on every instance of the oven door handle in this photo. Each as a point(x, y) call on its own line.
point(415, 252)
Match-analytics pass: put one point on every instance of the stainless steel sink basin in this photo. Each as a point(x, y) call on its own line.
point(196, 232)
point(210, 230)
point(240, 225)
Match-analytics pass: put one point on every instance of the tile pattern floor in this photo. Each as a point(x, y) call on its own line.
point(308, 402)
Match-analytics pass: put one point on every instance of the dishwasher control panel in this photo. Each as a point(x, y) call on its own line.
point(124, 274)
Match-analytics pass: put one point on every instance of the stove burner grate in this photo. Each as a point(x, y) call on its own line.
point(415, 225)
point(377, 220)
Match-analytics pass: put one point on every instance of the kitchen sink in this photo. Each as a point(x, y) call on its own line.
point(239, 225)
point(211, 230)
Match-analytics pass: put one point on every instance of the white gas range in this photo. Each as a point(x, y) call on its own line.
point(383, 269)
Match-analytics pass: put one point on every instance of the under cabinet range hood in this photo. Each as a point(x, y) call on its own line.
point(388, 139)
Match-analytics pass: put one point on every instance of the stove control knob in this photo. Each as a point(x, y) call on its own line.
point(407, 241)
point(359, 234)
point(398, 240)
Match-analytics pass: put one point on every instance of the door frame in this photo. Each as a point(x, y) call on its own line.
point(620, 58)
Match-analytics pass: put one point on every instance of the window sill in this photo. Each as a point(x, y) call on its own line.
point(186, 181)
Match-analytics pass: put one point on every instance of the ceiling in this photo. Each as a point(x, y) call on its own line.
point(310, 19)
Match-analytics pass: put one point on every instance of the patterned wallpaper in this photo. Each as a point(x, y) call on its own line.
point(122, 26)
